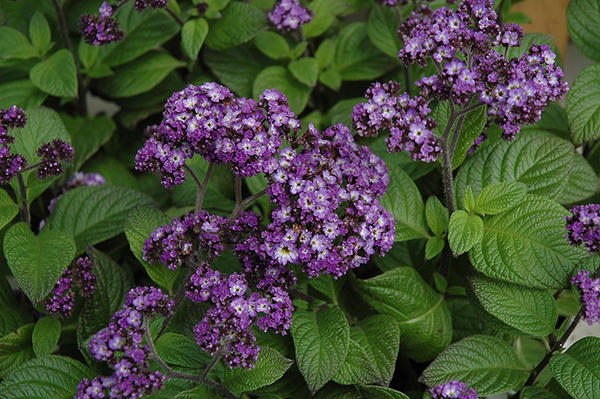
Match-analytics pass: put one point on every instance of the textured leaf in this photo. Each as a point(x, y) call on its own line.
point(272, 45)
point(140, 224)
point(358, 367)
point(45, 336)
point(56, 75)
point(583, 22)
point(21, 93)
point(94, 214)
point(526, 245)
point(422, 315)
point(582, 182)
point(436, 215)
point(582, 110)
point(382, 29)
point(53, 377)
point(539, 160)
point(434, 246)
point(472, 127)
point(530, 310)
point(39, 32)
point(143, 32)
point(270, 367)
point(277, 77)
point(88, 135)
point(534, 392)
point(12, 318)
point(14, 44)
point(578, 369)
point(140, 75)
point(43, 125)
point(325, 12)
point(181, 351)
point(15, 349)
point(403, 200)
point(379, 336)
point(500, 197)
point(356, 58)
point(375, 392)
point(306, 70)
point(483, 362)
point(193, 35)
point(37, 262)
point(112, 284)
point(240, 22)
point(321, 340)
point(464, 231)
point(8, 209)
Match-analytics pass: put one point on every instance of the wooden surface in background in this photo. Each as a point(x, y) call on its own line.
point(547, 16)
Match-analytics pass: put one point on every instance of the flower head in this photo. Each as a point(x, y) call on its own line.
point(453, 389)
point(590, 295)
point(288, 15)
point(62, 297)
point(583, 227)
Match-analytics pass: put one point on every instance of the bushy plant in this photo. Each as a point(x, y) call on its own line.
point(287, 199)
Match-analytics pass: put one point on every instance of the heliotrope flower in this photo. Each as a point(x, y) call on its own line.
point(288, 15)
point(98, 30)
point(583, 227)
point(590, 295)
point(121, 345)
point(52, 155)
point(78, 275)
point(453, 390)
point(10, 164)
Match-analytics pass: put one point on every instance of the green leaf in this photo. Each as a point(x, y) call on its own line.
point(325, 12)
point(328, 286)
point(143, 32)
point(469, 200)
point(582, 110)
point(583, 23)
point(53, 377)
point(178, 350)
point(321, 340)
point(39, 33)
point(306, 70)
point(140, 75)
point(193, 35)
point(530, 310)
point(12, 318)
point(500, 197)
point(356, 58)
point(539, 160)
point(45, 336)
point(464, 232)
point(140, 224)
point(483, 362)
point(43, 125)
point(198, 392)
point(404, 202)
point(554, 120)
point(94, 214)
point(237, 67)
point(56, 75)
point(88, 135)
point(375, 392)
point(272, 45)
point(331, 78)
point(421, 313)
point(434, 246)
point(8, 209)
point(325, 53)
point(472, 127)
point(277, 77)
point(436, 215)
point(379, 336)
point(112, 284)
point(21, 93)
point(13, 44)
point(15, 349)
point(87, 54)
point(357, 368)
point(582, 182)
point(270, 367)
point(526, 245)
point(37, 262)
point(382, 29)
point(239, 24)
point(578, 369)
point(534, 392)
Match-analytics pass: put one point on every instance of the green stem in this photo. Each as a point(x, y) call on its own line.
point(202, 186)
point(447, 177)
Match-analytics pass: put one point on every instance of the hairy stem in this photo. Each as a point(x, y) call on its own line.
point(202, 185)
point(170, 373)
point(239, 202)
point(179, 296)
point(249, 200)
point(174, 16)
point(64, 32)
point(447, 177)
point(24, 203)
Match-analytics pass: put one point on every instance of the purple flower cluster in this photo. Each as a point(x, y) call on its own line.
point(406, 118)
point(11, 164)
point(141, 5)
point(288, 15)
point(583, 227)
point(327, 216)
point(62, 297)
point(52, 155)
point(202, 232)
point(477, 143)
point(225, 328)
point(208, 120)
point(590, 295)
point(453, 390)
point(98, 30)
point(121, 345)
